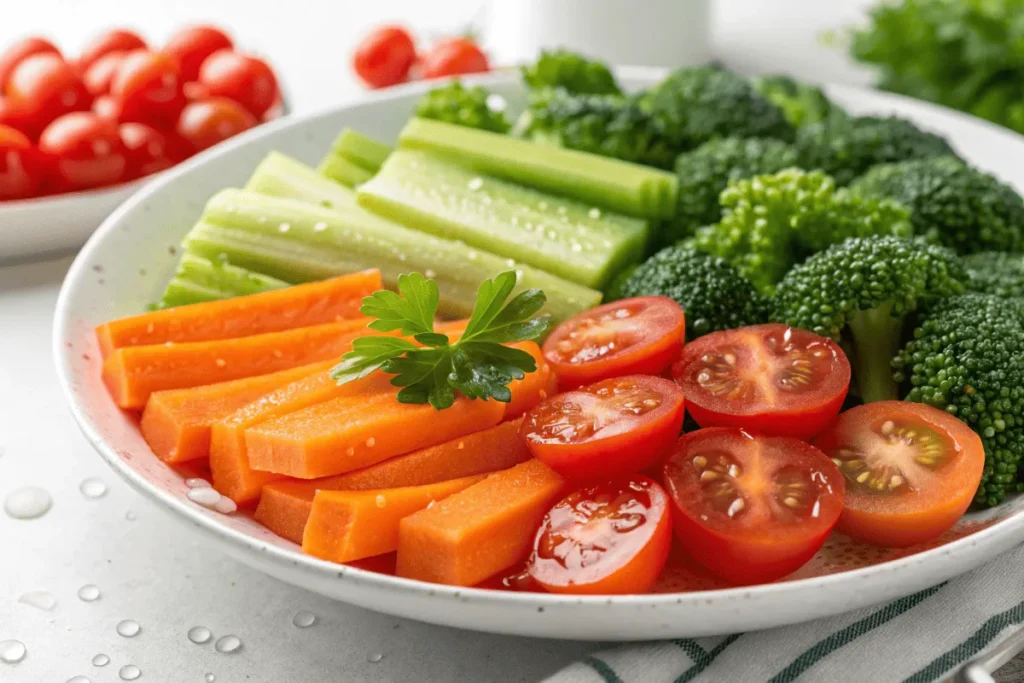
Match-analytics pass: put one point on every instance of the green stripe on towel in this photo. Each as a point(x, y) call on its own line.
point(706, 661)
point(603, 670)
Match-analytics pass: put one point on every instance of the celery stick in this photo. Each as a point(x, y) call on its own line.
point(282, 176)
point(298, 242)
point(361, 150)
point(337, 167)
point(608, 183)
point(198, 279)
point(561, 236)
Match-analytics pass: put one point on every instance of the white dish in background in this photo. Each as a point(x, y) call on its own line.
point(128, 260)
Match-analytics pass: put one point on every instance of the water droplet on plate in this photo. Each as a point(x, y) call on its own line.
point(79, 679)
point(205, 496)
point(130, 516)
point(12, 651)
point(210, 678)
point(28, 503)
point(92, 488)
point(304, 619)
point(228, 644)
point(225, 505)
point(100, 660)
point(89, 593)
point(129, 672)
point(197, 483)
point(129, 628)
point(374, 657)
point(39, 599)
point(199, 635)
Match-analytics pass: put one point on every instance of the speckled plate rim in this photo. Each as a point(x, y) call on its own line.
point(870, 585)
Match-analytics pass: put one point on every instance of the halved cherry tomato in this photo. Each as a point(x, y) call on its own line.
point(384, 57)
point(245, 79)
point(769, 379)
point(20, 170)
point(193, 44)
point(749, 508)
point(615, 427)
point(149, 87)
point(18, 51)
point(911, 470)
point(114, 40)
point(640, 336)
point(606, 538)
point(206, 122)
point(86, 151)
point(100, 74)
point(453, 57)
point(516, 579)
point(47, 87)
point(145, 150)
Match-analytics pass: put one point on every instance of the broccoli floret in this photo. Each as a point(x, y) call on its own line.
point(996, 273)
point(967, 358)
point(609, 125)
point(455, 103)
point(952, 203)
point(771, 222)
point(802, 103)
point(571, 71)
point(704, 172)
point(713, 295)
point(864, 288)
point(847, 148)
point(697, 104)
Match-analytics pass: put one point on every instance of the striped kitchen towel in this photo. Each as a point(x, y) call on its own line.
point(917, 639)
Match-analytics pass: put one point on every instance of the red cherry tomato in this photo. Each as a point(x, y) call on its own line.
point(751, 509)
point(206, 122)
point(17, 115)
point(47, 87)
point(193, 44)
point(640, 336)
point(149, 87)
point(86, 151)
point(615, 427)
point(18, 51)
point(769, 379)
point(453, 57)
point(242, 78)
point(607, 538)
point(98, 76)
point(911, 470)
point(107, 107)
point(114, 40)
point(384, 57)
point(145, 149)
point(20, 168)
point(516, 579)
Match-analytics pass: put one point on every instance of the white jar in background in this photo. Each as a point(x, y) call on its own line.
point(665, 33)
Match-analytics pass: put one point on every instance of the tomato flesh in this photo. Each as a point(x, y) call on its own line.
point(770, 379)
point(606, 538)
point(611, 428)
point(384, 57)
point(20, 172)
point(911, 470)
point(86, 151)
point(640, 336)
point(751, 509)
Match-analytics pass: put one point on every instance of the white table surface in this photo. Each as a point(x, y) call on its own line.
point(147, 566)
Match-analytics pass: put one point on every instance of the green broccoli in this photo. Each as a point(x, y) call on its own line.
point(697, 104)
point(802, 103)
point(609, 125)
point(771, 222)
point(864, 288)
point(571, 71)
point(713, 295)
point(846, 148)
point(455, 103)
point(704, 172)
point(996, 273)
point(952, 203)
point(967, 357)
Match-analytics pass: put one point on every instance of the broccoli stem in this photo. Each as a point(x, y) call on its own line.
point(876, 340)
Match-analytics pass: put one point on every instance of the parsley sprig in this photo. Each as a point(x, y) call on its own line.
point(434, 369)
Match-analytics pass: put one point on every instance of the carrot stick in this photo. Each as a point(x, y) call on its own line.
point(535, 387)
point(285, 505)
point(283, 309)
point(133, 373)
point(352, 525)
point(176, 423)
point(480, 531)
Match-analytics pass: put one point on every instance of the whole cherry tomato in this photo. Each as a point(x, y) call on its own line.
point(193, 44)
point(98, 76)
point(453, 57)
point(145, 150)
point(85, 151)
point(205, 123)
point(47, 87)
point(18, 51)
point(17, 115)
point(20, 168)
point(149, 87)
point(384, 57)
point(114, 40)
point(245, 79)
point(107, 107)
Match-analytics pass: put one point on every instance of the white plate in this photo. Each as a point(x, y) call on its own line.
point(126, 263)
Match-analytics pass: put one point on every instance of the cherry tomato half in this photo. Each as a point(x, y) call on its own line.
point(114, 40)
point(100, 74)
point(453, 57)
point(193, 44)
point(20, 170)
point(149, 87)
point(146, 150)
point(606, 538)
point(206, 122)
point(47, 87)
point(769, 379)
point(615, 427)
point(640, 336)
point(13, 56)
point(911, 470)
point(384, 57)
point(86, 151)
point(751, 509)
point(245, 79)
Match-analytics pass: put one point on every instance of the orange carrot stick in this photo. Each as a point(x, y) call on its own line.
point(285, 505)
point(480, 531)
point(535, 387)
point(351, 525)
point(283, 309)
point(133, 373)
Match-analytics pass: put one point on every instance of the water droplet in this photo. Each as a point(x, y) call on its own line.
point(225, 505)
point(374, 657)
point(128, 628)
point(197, 483)
point(210, 678)
point(496, 102)
point(304, 619)
point(319, 227)
point(228, 644)
point(28, 503)
point(129, 672)
point(89, 593)
point(199, 635)
point(130, 516)
point(12, 651)
point(79, 679)
point(476, 183)
point(284, 227)
point(92, 488)
point(205, 496)
point(428, 273)
point(100, 660)
point(594, 213)
point(39, 599)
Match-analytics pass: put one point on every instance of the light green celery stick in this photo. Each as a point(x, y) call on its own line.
point(361, 150)
point(198, 279)
point(342, 170)
point(282, 176)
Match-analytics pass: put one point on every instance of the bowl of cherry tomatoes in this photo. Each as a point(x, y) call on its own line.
point(79, 134)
